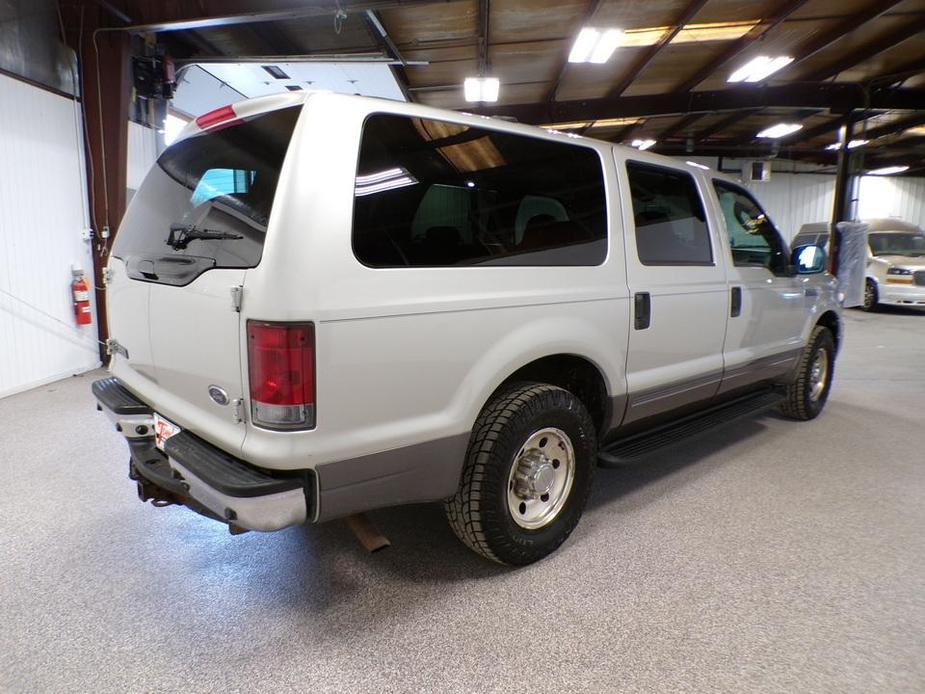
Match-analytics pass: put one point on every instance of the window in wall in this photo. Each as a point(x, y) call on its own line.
point(752, 237)
point(435, 194)
point(671, 227)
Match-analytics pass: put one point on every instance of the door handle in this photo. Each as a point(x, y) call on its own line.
point(735, 308)
point(643, 310)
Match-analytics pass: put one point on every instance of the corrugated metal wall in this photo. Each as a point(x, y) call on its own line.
point(142, 153)
point(889, 196)
point(792, 200)
point(42, 194)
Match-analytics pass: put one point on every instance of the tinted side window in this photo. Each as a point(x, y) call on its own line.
point(753, 239)
point(433, 194)
point(671, 227)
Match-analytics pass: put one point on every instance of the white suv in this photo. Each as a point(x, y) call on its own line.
point(323, 304)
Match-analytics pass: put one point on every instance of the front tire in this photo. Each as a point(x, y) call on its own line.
point(871, 296)
point(527, 476)
point(807, 395)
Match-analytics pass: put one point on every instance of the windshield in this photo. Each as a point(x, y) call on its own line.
point(206, 203)
point(897, 243)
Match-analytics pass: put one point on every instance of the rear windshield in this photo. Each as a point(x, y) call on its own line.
point(206, 203)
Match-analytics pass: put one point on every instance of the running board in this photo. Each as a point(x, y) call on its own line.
point(632, 448)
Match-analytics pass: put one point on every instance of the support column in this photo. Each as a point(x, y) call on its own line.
point(845, 191)
point(105, 76)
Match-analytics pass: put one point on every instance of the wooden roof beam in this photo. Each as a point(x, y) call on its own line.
point(823, 41)
point(907, 31)
point(680, 126)
point(841, 97)
point(779, 15)
point(684, 18)
point(589, 12)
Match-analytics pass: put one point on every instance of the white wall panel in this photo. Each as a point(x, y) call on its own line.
point(42, 194)
point(889, 196)
point(792, 200)
point(142, 153)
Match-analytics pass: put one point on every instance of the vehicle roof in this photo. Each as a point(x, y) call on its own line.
point(891, 224)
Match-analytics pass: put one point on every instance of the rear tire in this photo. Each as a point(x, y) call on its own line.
point(807, 395)
point(527, 475)
point(871, 296)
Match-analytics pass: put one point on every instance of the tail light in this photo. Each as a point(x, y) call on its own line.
point(219, 115)
point(281, 360)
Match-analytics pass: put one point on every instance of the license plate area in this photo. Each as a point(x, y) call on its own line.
point(163, 430)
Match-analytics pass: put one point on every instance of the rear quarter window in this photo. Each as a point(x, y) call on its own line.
point(431, 193)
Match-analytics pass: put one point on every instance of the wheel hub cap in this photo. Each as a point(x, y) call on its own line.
point(535, 475)
point(818, 374)
point(541, 478)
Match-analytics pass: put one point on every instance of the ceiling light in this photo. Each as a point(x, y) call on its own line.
point(482, 88)
point(917, 130)
point(780, 130)
point(642, 144)
point(887, 170)
point(851, 145)
point(759, 68)
point(595, 45)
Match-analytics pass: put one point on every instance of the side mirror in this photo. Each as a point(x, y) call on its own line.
point(808, 260)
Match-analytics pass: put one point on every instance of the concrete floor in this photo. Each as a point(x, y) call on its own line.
point(772, 557)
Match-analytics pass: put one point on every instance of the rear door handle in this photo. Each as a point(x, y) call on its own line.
point(735, 308)
point(643, 310)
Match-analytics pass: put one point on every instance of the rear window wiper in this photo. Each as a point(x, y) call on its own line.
point(181, 235)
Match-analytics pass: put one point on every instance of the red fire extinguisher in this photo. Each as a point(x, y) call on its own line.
point(80, 289)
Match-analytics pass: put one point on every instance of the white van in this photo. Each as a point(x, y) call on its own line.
point(322, 304)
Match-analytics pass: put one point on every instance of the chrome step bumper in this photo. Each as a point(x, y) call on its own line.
point(195, 473)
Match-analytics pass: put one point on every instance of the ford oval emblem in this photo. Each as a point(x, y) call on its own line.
point(218, 395)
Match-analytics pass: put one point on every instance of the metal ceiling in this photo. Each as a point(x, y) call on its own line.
point(861, 61)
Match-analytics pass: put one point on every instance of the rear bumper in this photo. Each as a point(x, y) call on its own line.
point(195, 473)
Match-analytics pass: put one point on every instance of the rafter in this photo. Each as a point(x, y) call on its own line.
point(779, 15)
point(837, 96)
point(589, 12)
point(822, 41)
point(680, 126)
point(687, 14)
point(907, 31)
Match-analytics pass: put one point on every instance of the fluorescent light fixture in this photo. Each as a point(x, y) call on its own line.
point(780, 130)
point(851, 145)
point(887, 170)
point(699, 166)
point(484, 89)
point(759, 68)
point(383, 180)
point(642, 144)
point(595, 45)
